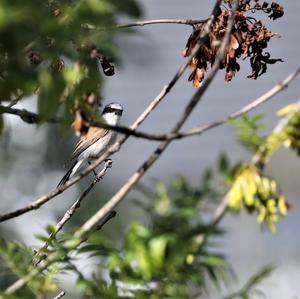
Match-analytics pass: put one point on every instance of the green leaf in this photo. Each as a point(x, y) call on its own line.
point(223, 165)
point(257, 193)
point(247, 128)
point(157, 248)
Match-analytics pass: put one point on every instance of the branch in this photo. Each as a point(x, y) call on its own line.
point(161, 21)
point(280, 86)
point(149, 22)
point(165, 90)
point(70, 213)
point(219, 212)
point(128, 131)
point(27, 116)
point(14, 101)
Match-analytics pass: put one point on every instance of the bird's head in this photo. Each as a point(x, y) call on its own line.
point(112, 113)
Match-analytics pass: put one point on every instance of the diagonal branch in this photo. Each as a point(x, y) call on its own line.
point(128, 131)
point(161, 21)
point(280, 86)
point(70, 213)
point(165, 90)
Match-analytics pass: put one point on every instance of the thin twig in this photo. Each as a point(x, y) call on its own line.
point(165, 90)
point(280, 86)
point(70, 213)
point(128, 131)
point(160, 21)
point(60, 295)
point(219, 212)
point(16, 100)
point(148, 22)
point(100, 225)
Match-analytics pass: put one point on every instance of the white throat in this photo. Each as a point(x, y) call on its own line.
point(111, 118)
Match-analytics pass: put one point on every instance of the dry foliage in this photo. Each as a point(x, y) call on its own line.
point(249, 39)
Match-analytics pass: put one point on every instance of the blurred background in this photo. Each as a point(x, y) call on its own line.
point(150, 57)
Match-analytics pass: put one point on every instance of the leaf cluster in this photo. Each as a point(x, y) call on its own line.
point(48, 49)
point(17, 262)
point(250, 187)
point(258, 194)
point(170, 257)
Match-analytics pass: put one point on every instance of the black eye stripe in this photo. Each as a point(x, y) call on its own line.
point(109, 110)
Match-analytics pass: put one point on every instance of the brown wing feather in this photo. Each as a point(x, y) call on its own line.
point(88, 139)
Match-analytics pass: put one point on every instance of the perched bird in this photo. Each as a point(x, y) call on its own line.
point(95, 142)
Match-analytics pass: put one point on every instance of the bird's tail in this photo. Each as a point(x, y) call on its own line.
point(67, 175)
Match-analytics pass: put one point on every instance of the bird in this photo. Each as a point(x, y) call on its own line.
point(95, 142)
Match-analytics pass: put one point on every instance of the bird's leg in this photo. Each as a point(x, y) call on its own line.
point(108, 164)
point(94, 171)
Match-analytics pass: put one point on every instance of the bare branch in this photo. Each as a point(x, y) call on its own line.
point(161, 21)
point(219, 212)
point(165, 90)
point(27, 116)
point(149, 22)
point(70, 213)
point(14, 101)
point(128, 131)
point(280, 86)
